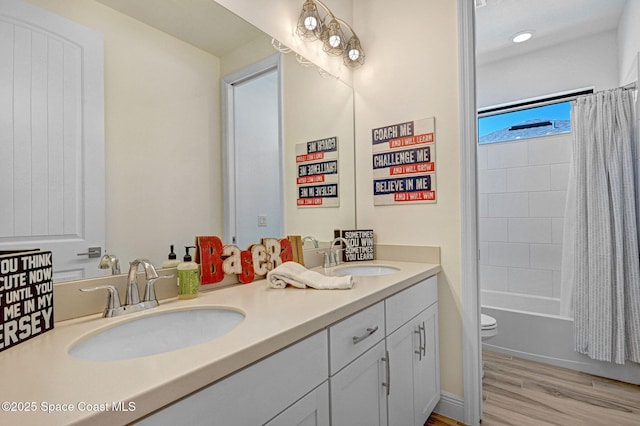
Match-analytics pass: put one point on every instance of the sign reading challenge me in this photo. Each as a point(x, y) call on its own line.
point(317, 173)
point(404, 163)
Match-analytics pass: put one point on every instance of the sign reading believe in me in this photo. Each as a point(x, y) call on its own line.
point(26, 296)
point(404, 163)
point(317, 173)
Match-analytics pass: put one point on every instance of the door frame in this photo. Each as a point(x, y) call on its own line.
point(229, 174)
point(471, 342)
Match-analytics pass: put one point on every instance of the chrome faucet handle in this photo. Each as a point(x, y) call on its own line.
point(113, 299)
point(336, 253)
point(150, 299)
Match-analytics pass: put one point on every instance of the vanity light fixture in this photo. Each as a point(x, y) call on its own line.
point(331, 31)
point(522, 36)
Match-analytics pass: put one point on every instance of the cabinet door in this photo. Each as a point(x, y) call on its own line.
point(358, 397)
point(426, 385)
point(403, 346)
point(311, 410)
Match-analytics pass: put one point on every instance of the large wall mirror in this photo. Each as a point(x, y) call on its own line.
point(164, 62)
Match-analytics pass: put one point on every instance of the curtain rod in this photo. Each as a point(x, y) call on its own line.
point(533, 103)
point(630, 86)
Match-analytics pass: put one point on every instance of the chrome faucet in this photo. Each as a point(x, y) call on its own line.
point(133, 297)
point(332, 257)
point(132, 300)
point(312, 239)
point(110, 261)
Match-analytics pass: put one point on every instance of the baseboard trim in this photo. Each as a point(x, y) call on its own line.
point(451, 406)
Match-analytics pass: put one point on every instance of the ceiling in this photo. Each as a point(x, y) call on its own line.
point(202, 23)
point(551, 21)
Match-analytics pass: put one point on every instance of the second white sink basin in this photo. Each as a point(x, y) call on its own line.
point(158, 333)
point(365, 270)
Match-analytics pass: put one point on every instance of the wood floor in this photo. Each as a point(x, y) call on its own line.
point(517, 392)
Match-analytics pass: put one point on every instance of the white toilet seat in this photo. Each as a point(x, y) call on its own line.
point(489, 326)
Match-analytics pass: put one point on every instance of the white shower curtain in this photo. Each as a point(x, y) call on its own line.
point(600, 259)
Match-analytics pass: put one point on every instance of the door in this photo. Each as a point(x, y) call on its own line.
point(426, 387)
point(252, 142)
point(51, 137)
point(403, 346)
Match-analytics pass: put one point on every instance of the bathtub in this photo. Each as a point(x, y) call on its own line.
point(543, 335)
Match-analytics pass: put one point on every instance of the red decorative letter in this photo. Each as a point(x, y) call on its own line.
point(247, 275)
point(286, 251)
point(210, 250)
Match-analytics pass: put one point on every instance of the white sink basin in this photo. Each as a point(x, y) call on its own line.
point(158, 333)
point(365, 270)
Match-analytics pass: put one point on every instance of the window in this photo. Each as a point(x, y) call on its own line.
point(527, 119)
point(525, 123)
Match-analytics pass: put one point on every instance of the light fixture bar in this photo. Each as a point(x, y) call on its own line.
point(330, 30)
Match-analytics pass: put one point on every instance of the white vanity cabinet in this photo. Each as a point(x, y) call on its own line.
point(377, 367)
point(389, 377)
point(289, 381)
point(412, 345)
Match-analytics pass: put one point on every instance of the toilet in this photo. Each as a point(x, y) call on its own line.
point(488, 326)
point(488, 329)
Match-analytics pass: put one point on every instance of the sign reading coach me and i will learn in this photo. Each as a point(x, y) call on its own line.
point(404, 163)
point(317, 173)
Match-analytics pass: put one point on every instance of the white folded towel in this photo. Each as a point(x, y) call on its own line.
point(298, 276)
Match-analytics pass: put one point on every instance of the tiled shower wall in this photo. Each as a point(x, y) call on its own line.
point(523, 187)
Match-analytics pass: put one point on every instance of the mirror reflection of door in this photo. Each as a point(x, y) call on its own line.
point(51, 138)
point(253, 178)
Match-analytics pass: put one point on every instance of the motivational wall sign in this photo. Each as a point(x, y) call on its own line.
point(317, 173)
point(404, 163)
point(26, 296)
point(361, 242)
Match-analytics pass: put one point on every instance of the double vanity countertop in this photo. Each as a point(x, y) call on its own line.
point(40, 375)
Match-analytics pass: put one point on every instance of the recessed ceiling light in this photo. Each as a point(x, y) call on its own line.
point(522, 36)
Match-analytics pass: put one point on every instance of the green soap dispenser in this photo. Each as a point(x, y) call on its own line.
point(188, 276)
point(171, 261)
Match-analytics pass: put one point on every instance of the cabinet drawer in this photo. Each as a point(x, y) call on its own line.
point(408, 303)
point(351, 337)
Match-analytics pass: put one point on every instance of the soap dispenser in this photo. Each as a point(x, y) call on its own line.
point(172, 260)
point(188, 277)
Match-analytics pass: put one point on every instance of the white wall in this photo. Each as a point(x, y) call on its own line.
point(591, 61)
point(629, 42)
point(522, 186)
point(412, 73)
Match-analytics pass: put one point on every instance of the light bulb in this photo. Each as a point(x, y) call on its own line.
point(334, 41)
point(310, 23)
point(354, 54)
point(520, 37)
